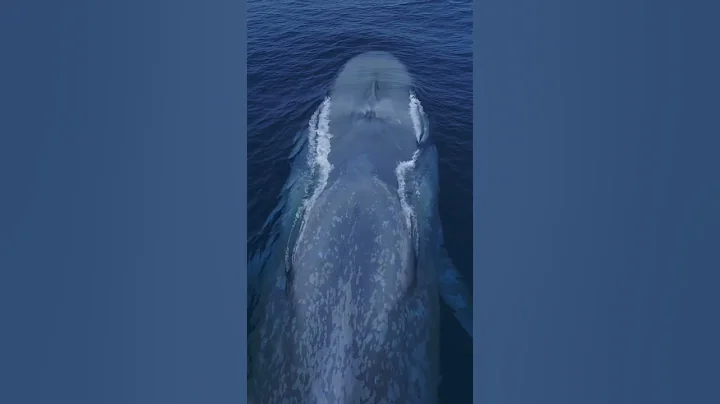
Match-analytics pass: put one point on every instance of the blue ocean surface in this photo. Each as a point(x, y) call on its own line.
point(296, 48)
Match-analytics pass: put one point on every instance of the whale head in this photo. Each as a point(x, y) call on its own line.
point(371, 115)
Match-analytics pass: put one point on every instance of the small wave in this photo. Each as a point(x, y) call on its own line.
point(416, 112)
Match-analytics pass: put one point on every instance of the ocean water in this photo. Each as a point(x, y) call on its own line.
point(295, 49)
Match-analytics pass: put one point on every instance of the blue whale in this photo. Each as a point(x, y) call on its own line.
point(345, 295)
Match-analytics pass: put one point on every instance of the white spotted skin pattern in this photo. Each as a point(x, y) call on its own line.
point(355, 326)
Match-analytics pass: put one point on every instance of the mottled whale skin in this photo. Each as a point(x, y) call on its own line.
point(346, 309)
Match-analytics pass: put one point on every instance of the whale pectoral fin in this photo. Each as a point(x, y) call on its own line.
point(454, 291)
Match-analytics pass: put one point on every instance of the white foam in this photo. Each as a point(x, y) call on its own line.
point(405, 167)
point(319, 138)
point(401, 171)
point(317, 158)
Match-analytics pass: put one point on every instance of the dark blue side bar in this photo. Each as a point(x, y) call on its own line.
point(596, 202)
point(122, 202)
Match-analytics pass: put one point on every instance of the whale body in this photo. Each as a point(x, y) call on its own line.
point(346, 295)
